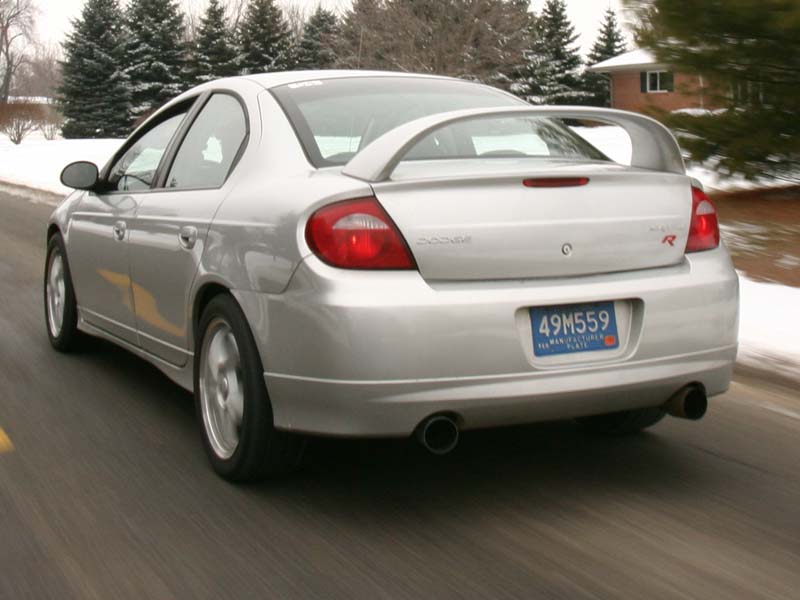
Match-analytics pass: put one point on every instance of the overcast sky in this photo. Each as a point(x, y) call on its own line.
point(586, 15)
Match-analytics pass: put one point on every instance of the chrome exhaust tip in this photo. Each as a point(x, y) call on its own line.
point(689, 402)
point(438, 434)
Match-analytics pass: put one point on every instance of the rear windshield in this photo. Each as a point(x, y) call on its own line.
point(336, 118)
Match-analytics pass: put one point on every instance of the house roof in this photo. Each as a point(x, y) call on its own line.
point(625, 62)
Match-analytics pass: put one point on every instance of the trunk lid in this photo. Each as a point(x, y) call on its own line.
point(475, 220)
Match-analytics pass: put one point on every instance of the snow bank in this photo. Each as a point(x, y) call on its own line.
point(769, 328)
point(615, 143)
point(38, 162)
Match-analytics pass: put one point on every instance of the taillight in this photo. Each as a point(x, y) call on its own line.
point(357, 234)
point(704, 228)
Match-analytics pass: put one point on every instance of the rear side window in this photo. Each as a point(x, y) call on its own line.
point(336, 118)
point(211, 146)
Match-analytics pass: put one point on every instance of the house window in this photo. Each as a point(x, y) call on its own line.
point(656, 82)
point(747, 93)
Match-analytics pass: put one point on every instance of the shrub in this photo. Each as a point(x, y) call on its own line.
point(17, 120)
point(51, 123)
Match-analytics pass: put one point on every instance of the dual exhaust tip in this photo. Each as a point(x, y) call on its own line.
point(439, 433)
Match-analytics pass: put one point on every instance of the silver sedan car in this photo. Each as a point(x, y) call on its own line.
point(378, 254)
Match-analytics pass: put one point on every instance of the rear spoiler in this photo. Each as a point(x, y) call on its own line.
point(654, 147)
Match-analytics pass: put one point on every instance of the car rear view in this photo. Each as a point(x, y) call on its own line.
point(500, 270)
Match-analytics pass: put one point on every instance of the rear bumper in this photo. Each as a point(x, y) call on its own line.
point(372, 354)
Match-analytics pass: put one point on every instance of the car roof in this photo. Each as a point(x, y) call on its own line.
point(268, 81)
point(271, 80)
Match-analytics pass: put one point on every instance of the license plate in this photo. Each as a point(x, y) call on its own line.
point(574, 328)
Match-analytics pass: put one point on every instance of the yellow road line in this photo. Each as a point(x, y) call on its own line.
point(5, 442)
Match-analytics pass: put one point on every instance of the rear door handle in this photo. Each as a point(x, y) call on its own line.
point(119, 229)
point(188, 236)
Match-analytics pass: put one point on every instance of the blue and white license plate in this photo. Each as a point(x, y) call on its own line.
point(574, 328)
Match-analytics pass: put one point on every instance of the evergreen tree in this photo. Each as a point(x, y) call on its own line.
point(214, 52)
point(155, 53)
point(748, 52)
point(94, 93)
point(265, 39)
point(609, 43)
point(535, 79)
point(551, 73)
point(558, 38)
point(315, 50)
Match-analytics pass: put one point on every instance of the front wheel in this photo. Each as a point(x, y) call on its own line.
point(232, 402)
point(623, 422)
point(60, 307)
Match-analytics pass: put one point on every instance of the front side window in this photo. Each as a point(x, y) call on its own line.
point(211, 146)
point(136, 169)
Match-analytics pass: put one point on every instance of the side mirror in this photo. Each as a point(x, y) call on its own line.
point(81, 175)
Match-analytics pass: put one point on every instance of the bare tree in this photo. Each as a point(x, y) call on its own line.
point(40, 74)
point(473, 39)
point(16, 27)
point(193, 12)
point(236, 11)
point(296, 16)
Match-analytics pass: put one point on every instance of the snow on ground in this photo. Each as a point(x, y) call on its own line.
point(38, 162)
point(615, 143)
point(769, 333)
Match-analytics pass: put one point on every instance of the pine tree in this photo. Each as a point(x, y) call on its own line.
point(609, 43)
point(214, 52)
point(535, 79)
point(748, 52)
point(266, 42)
point(155, 53)
point(315, 50)
point(94, 93)
point(558, 38)
point(551, 71)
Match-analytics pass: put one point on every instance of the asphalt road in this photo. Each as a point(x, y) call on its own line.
point(107, 494)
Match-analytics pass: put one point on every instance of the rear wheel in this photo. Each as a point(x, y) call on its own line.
point(624, 422)
point(232, 402)
point(60, 307)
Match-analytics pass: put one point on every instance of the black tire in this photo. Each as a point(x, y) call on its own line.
point(624, 422)
point(68, 338)
point(262, 451)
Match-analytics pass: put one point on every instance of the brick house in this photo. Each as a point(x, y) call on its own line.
point(640, 84)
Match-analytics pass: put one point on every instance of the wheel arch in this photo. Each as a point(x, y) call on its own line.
point(205, 293)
